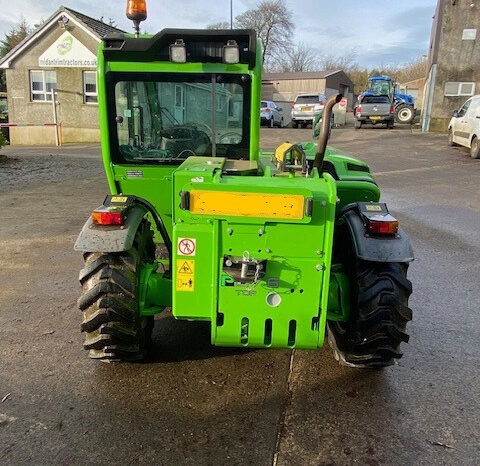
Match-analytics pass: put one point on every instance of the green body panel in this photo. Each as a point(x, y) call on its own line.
point(298, 253)
point(297, 270)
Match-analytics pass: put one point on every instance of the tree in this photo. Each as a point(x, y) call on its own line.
point(219, 25)
point(299, 57)
point(272, 21)
point(12, 38)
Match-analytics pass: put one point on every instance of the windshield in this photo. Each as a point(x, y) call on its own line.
point(263, 104)
point(307, 99)
point(380, 87)
point(172, 119)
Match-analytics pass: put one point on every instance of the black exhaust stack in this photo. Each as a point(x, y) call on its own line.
point(323, 139)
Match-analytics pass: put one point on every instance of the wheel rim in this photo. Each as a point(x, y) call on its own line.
point(405, 114)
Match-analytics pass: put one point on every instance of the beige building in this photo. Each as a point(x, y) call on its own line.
point(453, 74)
point(284, 87)
point(415, 89)
point(59, 56)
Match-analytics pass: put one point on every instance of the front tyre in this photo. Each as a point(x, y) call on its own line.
point(475, 148)
point(114, 329)
point(379, 314)
point(451, 142)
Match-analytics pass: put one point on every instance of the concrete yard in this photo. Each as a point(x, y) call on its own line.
point(196, 404)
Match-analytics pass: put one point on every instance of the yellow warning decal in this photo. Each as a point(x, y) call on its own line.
point(185, 275)
point(121, 199)
point(373, 207)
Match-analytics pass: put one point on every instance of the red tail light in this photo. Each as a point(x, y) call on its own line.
point(359, 109)
point(383, 225)
point(267, 110)
point(392, 110)
point(292, 105)
point(101, 217)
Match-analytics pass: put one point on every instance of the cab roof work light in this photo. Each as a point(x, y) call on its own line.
point(231, 52)
point(137, 12)
point(178, 52)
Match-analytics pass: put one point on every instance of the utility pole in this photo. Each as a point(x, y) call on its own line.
point(231, 14)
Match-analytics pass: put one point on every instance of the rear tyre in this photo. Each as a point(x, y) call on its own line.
point(475, 148)
point(271, 122)
point(451, 143)
point(115, 330)
point(404, 114)
point(378, 317)
point(294, 124)
point(358, 124)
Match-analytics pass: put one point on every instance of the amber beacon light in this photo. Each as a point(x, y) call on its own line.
point(137, 12)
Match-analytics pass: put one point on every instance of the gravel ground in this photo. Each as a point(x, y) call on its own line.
point(196, 404)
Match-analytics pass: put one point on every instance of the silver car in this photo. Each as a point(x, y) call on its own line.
point(270, 114)
point(306, 107)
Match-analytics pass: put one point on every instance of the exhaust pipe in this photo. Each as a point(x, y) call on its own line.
point(323, 139)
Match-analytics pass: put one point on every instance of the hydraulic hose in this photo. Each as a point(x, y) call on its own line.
point(323, 139)
point(160, 225)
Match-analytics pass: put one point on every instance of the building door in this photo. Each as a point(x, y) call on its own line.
point(179, 103)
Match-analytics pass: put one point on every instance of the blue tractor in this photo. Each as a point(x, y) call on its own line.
point(404, 104)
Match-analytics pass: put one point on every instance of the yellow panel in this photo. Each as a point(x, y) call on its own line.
point(289, 206)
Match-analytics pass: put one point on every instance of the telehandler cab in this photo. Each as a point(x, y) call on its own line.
point(275, 249)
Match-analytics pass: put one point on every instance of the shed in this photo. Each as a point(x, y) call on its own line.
point(284, 87)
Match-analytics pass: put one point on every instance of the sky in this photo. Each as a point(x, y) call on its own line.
point(380, 32)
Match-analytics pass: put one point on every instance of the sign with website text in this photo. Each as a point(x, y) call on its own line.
point(67, 51)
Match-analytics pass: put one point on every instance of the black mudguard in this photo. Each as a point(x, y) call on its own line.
point(375, 248)
point(100, 238)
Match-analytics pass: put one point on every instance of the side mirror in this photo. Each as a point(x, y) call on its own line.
point(455, 114)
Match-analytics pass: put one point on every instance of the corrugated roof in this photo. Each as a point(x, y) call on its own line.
point(298, 75)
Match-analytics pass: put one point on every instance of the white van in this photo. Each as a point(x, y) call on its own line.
point(464, 127)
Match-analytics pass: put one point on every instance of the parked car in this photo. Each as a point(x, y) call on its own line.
point(374, 109)
point(306, 107)
point(464, 127)
point(270, 114)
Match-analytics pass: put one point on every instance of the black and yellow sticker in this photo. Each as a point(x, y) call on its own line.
point(185, 275)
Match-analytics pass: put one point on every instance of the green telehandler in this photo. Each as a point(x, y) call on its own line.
point(276, 249)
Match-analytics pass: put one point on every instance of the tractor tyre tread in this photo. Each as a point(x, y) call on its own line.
point(377, 327)
point(114, 329)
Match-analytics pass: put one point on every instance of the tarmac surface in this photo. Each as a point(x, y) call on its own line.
point(196, 404)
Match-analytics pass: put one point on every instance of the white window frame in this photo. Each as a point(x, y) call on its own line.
point(89, 94)
point(459, 87)
point(47, 94)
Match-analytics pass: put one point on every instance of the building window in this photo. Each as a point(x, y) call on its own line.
point(90, 87)
point(459, 89)
point(41, 85)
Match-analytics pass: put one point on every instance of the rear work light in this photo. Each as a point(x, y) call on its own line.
point(104, 217)
point(382, 225)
